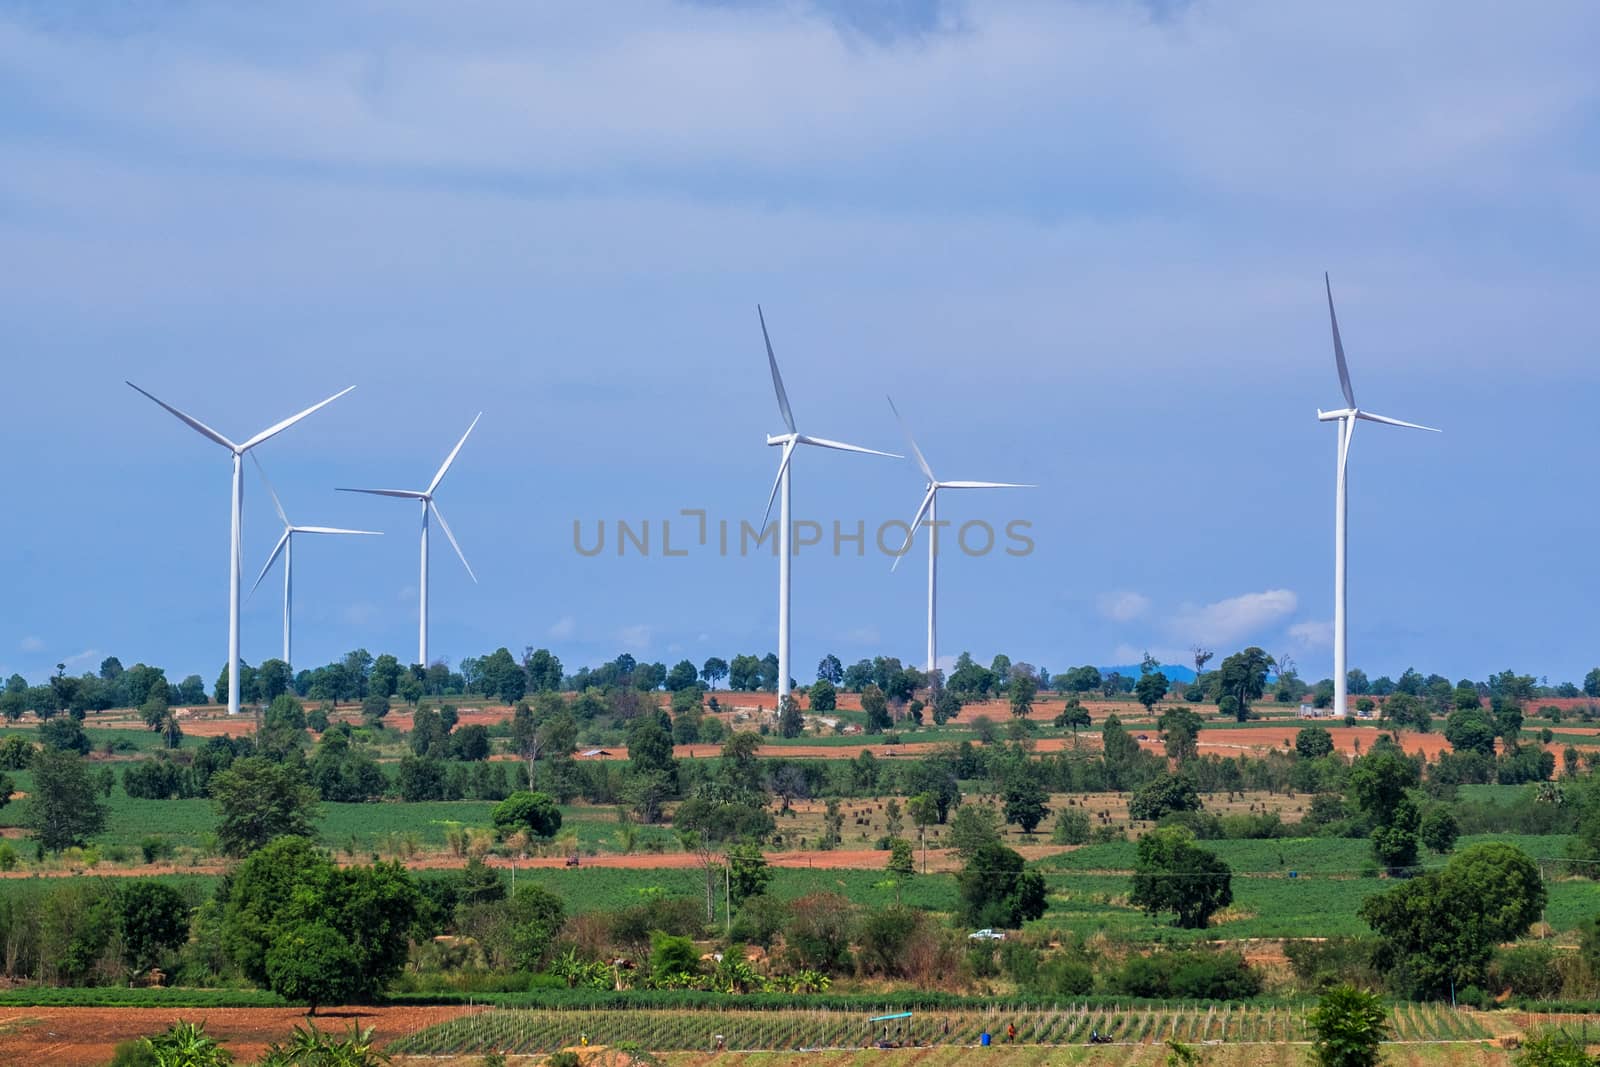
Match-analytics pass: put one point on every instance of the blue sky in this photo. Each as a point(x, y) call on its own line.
point(1081, 243)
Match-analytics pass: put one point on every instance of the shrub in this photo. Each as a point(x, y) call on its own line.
point(1072, 828)
point(1189, 975)
point(1530, 971)
point(1348, 1025)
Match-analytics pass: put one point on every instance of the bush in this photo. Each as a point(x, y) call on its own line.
point(135, 1053)
point(1064, 976)
point(1072, 828)
point(1530, 971)
point(1321, 965)
point(1189, 975)
point(1349, 1026)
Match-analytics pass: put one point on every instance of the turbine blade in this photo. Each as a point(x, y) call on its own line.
point(1370, 417)
point(1338, 347)
point(777, 379)
point(451, 458)
point(276, 551)
point(275, 430)
point(334, 530)
point(195, 424)
point(987, 485)
point(823, 442)
point(445, 526)
point(915, 451)
point(783, 465)
point(916, 520)
point(404, 494)
point(270, 491)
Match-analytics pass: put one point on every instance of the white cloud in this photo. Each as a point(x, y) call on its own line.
point(1313, 633)
point(360, 613)
point(32, 644)
point(563, 628)
point(1226, 622)
point(88, 655)
point(1122, 606)
point(636, 637)
point(863, 635)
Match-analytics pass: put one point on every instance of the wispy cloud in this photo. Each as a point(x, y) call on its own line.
point(636, 637)
point(1226, 622)
point(32, 644)
point(1312, 633)
point(562, 629)
point(1123, 606)
point(88, 655)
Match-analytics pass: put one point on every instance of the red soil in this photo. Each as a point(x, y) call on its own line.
point(84, 1037)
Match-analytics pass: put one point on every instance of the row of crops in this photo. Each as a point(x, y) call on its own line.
point(528, 1031)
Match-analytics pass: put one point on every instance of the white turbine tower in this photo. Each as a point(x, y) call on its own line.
point(426, 496)
point(285, 546)
point(789, 441)
point(238, 451)
point(1346, 417)
point(930, 508)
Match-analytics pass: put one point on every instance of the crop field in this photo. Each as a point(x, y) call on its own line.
point(1461, 1054)
point(521, 1030)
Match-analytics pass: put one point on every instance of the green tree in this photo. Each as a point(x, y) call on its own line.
point(1243, 677)
point(530, 813)
point(1439, 830)
point(1021, 690)
point(1173, 874)
point(1163, 796)
point(536, 916)
point(997, 890)
point(1026, 802)
point(1150, 689)
point(1349, 1025)
point(1469, 730)
point(876, 706)
point(312, 931)
point(902, 861)
point(1439, 930)
point(1073, 716)
point(824, 696)
point(152, 918)
point(64, 806)
point(258, 800)
point(1180, 730)
point(790, 721)
point(973, 828)
point(1313, 742)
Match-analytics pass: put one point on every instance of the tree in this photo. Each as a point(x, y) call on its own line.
point(1180, 730)
point(713, 671)
point(1469, 730)
point(997, 890)
point(1073, 716)
point(1313, 742)
point(1349, 1025)
point(972, 828)
point(1172, 873)
point(1440, 929)
point(1150, 689)
point(682, 676)
point(877, 709)
point(272, 679)
point(258, 800)
point(1243, 676)
point(1591, 683)
point(65, 735)
point(529, 813)
point(1026, 802)
point(790, 721)
point(1021, 690)
point(902, 860)
point(1202, 656)
point(1163, 796)
point(64, 806)
point(152, 918)
point(312, 931)
point(1439, 830)
point(824, 697)
point(830, 670)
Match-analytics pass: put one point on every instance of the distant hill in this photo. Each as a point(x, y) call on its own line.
point(1174, 673)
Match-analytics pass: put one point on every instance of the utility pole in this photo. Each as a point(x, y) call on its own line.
point(727, 899)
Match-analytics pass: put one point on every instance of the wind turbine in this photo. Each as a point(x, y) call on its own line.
point(790, 441)
point(930, 508)
point(1346, 417)
point(238, 451)
point(426, 496)
point(285, 546)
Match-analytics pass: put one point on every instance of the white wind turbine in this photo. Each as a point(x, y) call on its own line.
point(285, 546)
point(238, 451)
point(930, 508)
point(789, 441)
point(1346, 417)
point(426, 496)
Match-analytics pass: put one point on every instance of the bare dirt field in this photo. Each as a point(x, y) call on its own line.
point(1346, 739)
point(85, 1037)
